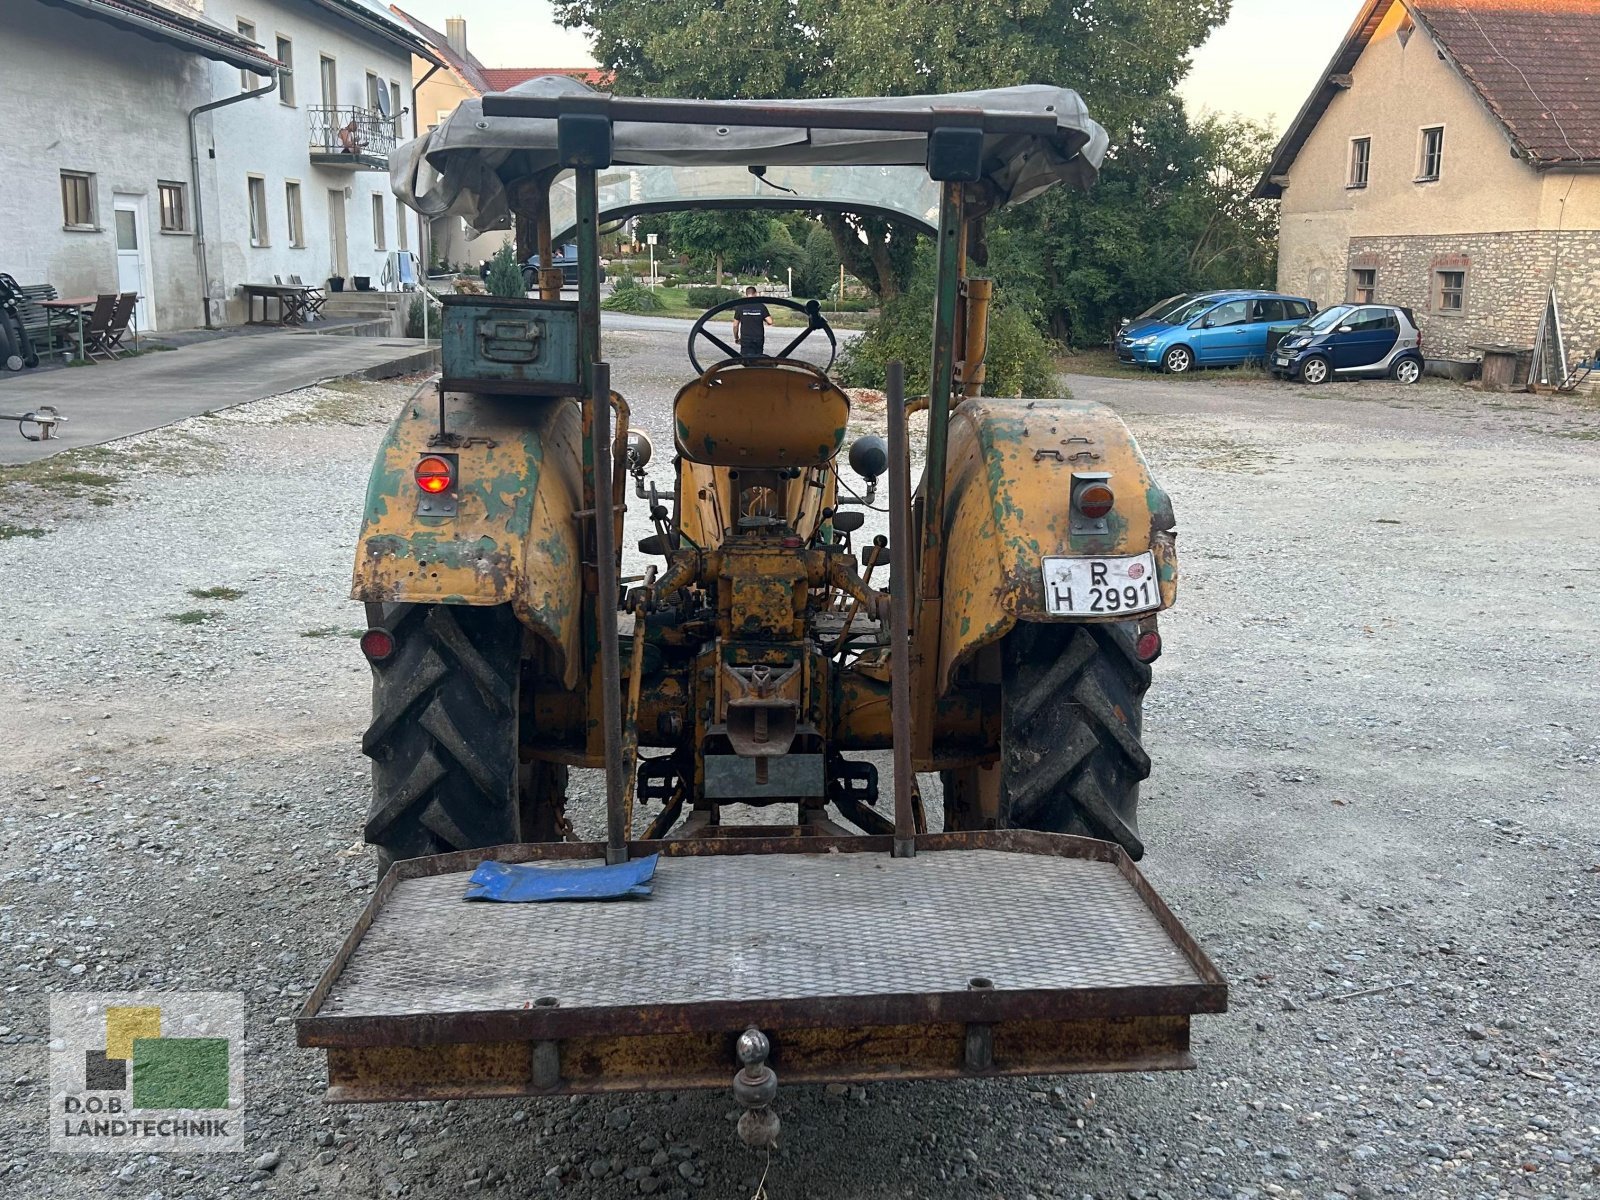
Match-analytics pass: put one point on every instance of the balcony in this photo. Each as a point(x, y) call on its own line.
point(356, 139)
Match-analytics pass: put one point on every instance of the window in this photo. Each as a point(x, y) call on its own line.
point(1236, 312)
point(1450, 291)
point(174, 198)
point(291, 202)
point(1369, 320)
point(377, 221)
point(247, 79)
point(1432, 158)
point(330, 82)
point(1360, 161)
point(394, 108)
point(375, 93)
point(286, 72)
point(1364, 285)
point(400, 219)
point(77, 200)
point(1296, 310)
point(258, 210)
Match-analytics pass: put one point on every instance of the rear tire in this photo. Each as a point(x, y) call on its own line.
point(444, 735)
point(1071, 760)
point(1407, 370)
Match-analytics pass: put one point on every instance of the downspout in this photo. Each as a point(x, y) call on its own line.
point(424, 227)
point(199, 191)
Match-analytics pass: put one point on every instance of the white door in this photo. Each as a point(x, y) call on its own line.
point(338, 251)
point(133, 255)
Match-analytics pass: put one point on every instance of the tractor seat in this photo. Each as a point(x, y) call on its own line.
point(764, 414)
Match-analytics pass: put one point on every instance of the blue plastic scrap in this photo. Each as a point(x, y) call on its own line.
point(517, 883)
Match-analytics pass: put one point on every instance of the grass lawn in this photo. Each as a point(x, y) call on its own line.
point(1102, 360)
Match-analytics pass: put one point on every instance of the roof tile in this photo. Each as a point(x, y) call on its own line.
point(1533, 63)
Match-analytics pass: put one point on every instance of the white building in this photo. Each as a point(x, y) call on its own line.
point(138, 161)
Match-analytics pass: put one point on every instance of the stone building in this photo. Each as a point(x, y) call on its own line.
point(1446, 161)
point(463, 77)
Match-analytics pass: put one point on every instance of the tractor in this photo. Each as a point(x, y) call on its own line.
point(735, 689)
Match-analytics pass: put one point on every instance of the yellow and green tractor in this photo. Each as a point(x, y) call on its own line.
point(991, 625)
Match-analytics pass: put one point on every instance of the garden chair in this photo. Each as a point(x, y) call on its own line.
point(95, 326)
point(109, 340)
point(315, 297)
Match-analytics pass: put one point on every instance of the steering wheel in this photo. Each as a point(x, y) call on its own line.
point(814, 321)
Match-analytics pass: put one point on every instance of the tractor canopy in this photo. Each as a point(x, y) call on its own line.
point(468, 166)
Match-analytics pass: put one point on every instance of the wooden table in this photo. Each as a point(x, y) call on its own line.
point(294, 302)
point(71, 304)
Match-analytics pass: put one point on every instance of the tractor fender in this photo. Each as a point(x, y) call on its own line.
point(1008, 501)
point(513, 538)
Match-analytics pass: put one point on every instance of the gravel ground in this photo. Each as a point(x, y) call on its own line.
point(1375, 803)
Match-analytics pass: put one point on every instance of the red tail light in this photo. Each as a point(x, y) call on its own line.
point(434, 475)
point(1094, 500)
point(1148, 647)
point(377, 644)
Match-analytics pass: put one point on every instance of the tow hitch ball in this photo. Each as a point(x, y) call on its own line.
point(754, 1087)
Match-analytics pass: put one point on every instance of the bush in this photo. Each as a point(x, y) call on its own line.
point(818, 268)
point(505, 274)
point(414, 316)
point(629, 296)
point(710, 297)
point(1018, 359)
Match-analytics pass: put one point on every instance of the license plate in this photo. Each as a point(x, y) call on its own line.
point(1079, 587)
point(1282, 360)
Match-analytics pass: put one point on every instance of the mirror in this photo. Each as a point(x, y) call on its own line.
point(1346, 329)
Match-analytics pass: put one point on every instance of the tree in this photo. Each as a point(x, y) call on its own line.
point(819, 263)
point(735, 235)
point(1121, 55)
point(659, 224)
point(505, 275)
point(1171, 213)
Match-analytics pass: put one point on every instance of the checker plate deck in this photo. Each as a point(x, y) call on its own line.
point(1058, 927)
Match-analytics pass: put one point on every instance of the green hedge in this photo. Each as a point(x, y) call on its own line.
point(710, 297)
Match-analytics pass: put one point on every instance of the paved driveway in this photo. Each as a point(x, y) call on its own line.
point(112, 400)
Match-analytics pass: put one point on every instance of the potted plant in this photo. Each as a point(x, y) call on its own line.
point(363, 282)
point(336, 283)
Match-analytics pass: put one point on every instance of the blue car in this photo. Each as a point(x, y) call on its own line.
point(1217, 329)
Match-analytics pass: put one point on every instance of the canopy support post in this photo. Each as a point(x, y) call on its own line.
point(941, 386)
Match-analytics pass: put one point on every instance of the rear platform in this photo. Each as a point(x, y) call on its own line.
point(985, 954)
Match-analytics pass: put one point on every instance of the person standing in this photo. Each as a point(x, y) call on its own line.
point(750, 321)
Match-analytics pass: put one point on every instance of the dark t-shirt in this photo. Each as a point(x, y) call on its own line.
point(752, 320)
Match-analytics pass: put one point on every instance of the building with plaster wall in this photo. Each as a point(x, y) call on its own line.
point(1447, 162)
point(106, 192)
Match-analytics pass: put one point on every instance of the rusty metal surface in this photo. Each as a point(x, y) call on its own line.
point(804, 1055)
point(737, 934)
point(1011, 465)
point(901, 590)
point(514, 538)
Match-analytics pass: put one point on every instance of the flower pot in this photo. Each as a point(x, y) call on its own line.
point(363, 282)
point(336, 283)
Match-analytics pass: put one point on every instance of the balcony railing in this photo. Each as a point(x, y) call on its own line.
point(359, 136)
